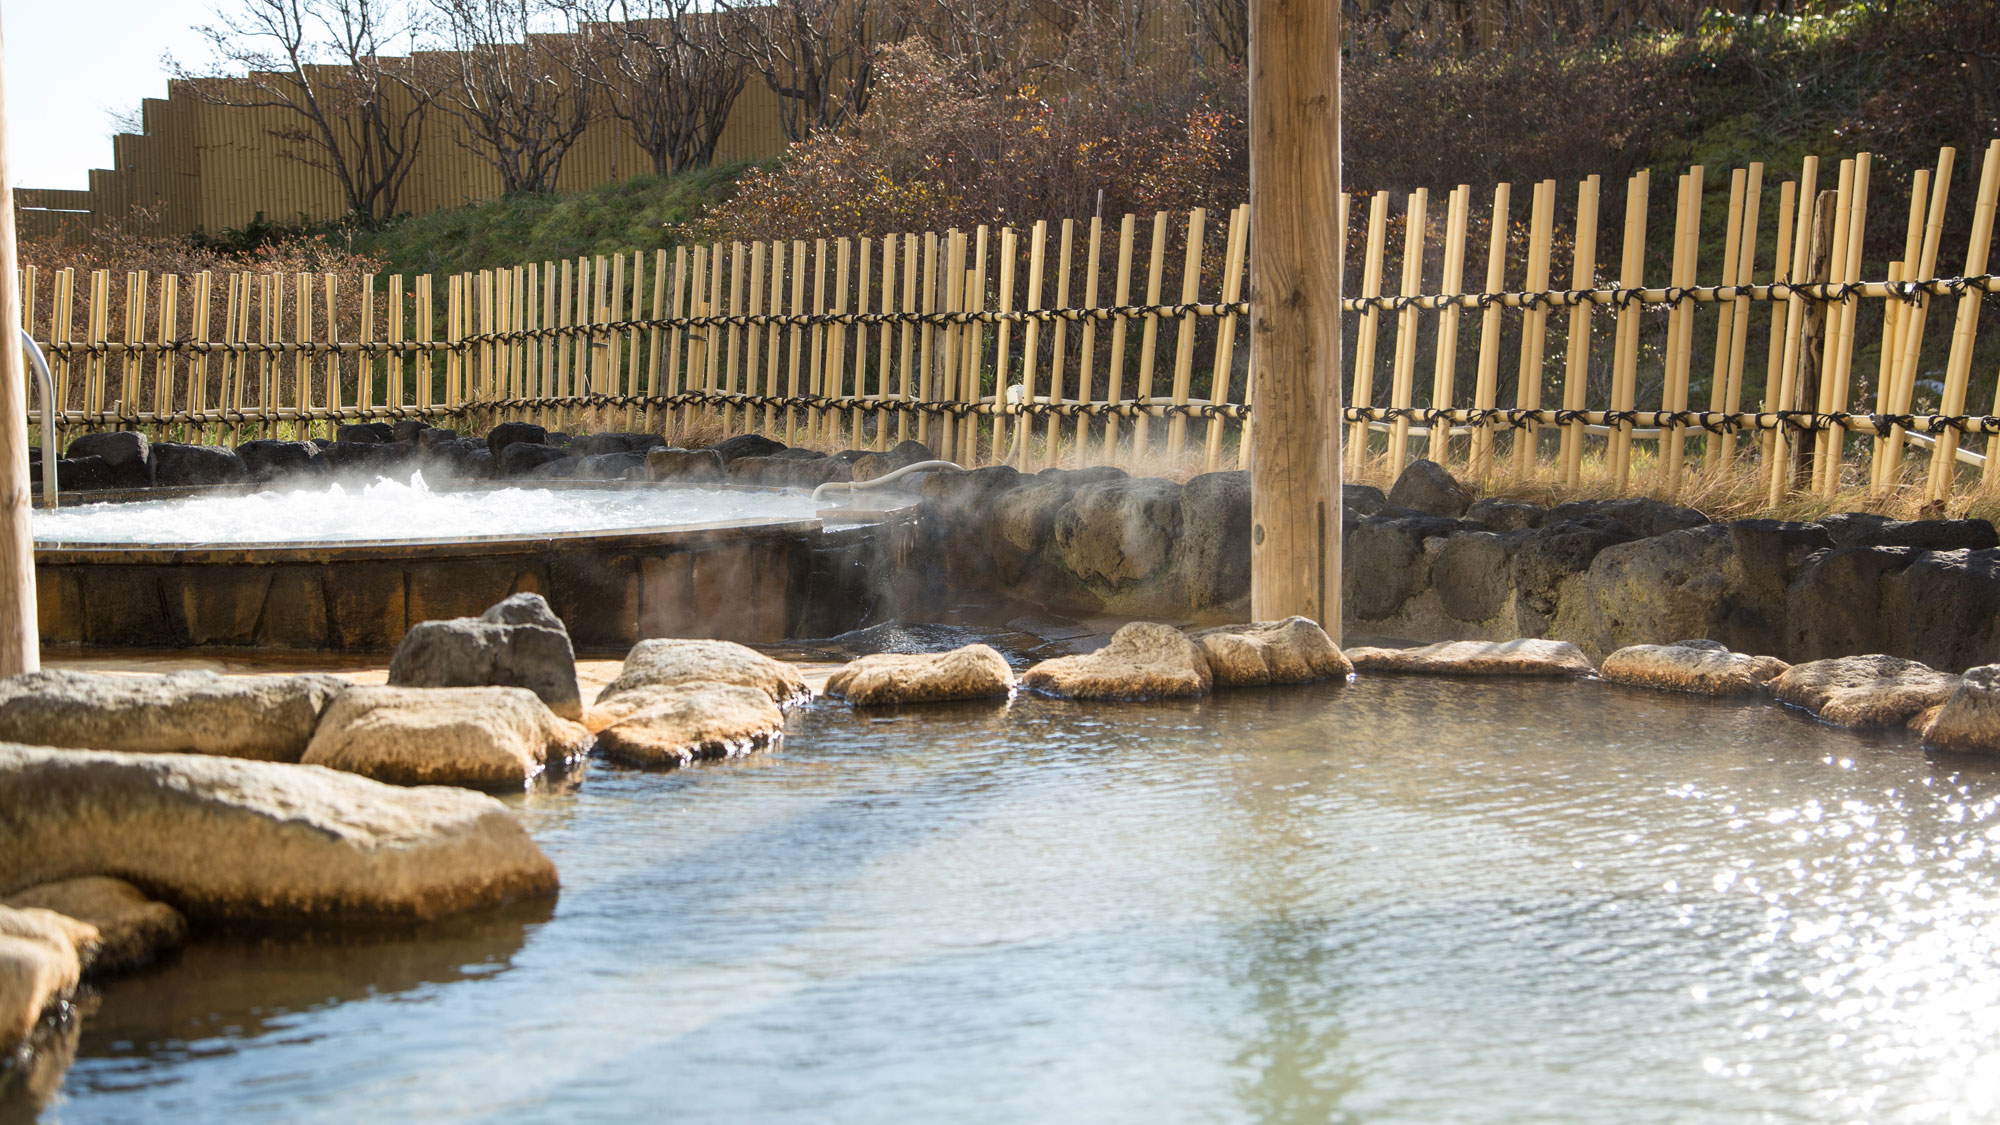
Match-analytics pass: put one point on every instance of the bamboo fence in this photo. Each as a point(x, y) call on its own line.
point(1790, 354)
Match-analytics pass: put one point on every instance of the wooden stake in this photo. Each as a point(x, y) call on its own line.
point(1296, 246)
point(20, 644)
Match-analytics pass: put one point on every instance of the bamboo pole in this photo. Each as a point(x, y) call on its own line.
point(836, 347)
point(1369, 330)
point(795, 373)
point(1402, 379)
point(1832, 439)
point(753, 336)
point(1534, 326)
point(1680, 329)
point(1295, 254)
point(1732, 333)
point(735, 343)
point(926, 348)
point(1149, 339)
point(912, 275)
point(198, 365)
point(1220, 377)
point(1486, 385)
point(1031, 344)
point(20, 644)
point(1625, 370)
point(1184, 336)
point(1065, 261)
point(1958, 367)
point(1576, 361)
point(954, 296)
point(1003, 356)
point(1086, 352)
point(1121, 328)
point(1444, 361)
point(885, 343)
point(973, 349)
point(774, 336)
point(1910, 346)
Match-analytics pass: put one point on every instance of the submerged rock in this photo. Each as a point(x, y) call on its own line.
point(1292, 651)
point(973, 672)
point(39, 967)
point(682, 663)
point(519, 642)
point(658, 727)
point(481, 737)
point(224, 838)
point(131, 928)
point(1864, 691)
point(1523, 657)
point(1144, 660)
point(270, 718)
point(1970, 719)
point(1704, 667)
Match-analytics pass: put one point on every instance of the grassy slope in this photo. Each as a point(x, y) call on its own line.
point(625, 216)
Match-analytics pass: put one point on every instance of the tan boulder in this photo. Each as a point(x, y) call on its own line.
point(480, 737)
point(1969, 721)
point(221, 837)
point(1523, 657)
point(131, 928)
point(972, 672)
point(1864, 691)
point(667, 727)
point(267, 718)
point(1703, 667)
point(684, 663)
point(1144, 660)
point(39, 967)
point(1292, 651)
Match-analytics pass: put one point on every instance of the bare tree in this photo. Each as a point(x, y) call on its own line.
point(818, 56)
point(664, 68)
point(516, 81)
point(357, 115)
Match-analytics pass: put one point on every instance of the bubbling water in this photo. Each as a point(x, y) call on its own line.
point(406, 511)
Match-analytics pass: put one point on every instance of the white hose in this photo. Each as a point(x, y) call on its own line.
point(41, 364)
point(852, 485)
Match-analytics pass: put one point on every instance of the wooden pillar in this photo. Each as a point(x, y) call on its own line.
point(20, 648)
point(1295, 272)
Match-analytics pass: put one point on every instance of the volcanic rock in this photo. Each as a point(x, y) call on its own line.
point(496, 738)
point(664, 727)
point(975, 671)
point(1703, 667)
point(1864, 691)
point(669, 662)
point(1970, 720)
point(519, 642)
point(223, 838)
point(270, 718)
point(1523, 657)
point(1426, 487)
point(184, 466)
point(1144, 660)
point(1292, 651)
point(131, 928)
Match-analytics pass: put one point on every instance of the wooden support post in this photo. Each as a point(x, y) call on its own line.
point(1295, 259)
point(20, 647)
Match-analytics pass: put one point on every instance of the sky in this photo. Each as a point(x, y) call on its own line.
point(72, 64)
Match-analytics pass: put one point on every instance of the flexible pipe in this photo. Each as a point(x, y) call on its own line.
point(852, 485)
point(41, 365)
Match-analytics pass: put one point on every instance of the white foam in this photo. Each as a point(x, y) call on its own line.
point(412, 511)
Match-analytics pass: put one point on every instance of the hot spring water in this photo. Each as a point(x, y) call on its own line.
point(1406, 900)
point(405, 511)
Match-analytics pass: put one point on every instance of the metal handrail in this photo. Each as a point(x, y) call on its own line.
point(48, 383)
point(853, 485)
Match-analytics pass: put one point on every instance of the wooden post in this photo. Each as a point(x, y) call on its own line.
point(1295, 260)
point(20, 647)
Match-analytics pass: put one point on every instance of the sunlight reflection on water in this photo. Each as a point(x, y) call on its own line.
point(1407, 900)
